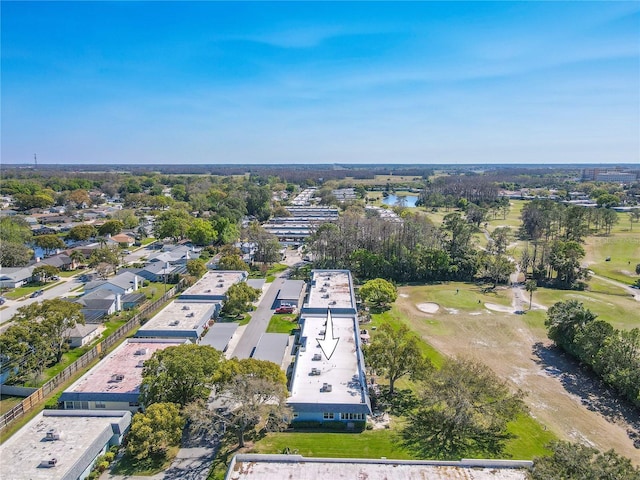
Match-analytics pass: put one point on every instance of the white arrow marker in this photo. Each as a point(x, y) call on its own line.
point(329, 343)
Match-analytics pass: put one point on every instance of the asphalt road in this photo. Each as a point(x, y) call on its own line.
point(59, 291)
point(259, 321)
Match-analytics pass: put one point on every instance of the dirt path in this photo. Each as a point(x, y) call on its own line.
point(560, 396)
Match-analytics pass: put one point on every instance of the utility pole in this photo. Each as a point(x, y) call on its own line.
point(35, 160)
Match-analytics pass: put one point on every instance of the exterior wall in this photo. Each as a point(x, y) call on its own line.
point(133, 407)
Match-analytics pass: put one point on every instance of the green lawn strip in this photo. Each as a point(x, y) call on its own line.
point(23, 291)
point(270, 278)
point(277, 268)
point(282, 324)
point(68, 273)
point(368, 444)
point(621, 312)
point(530, 439)
point(149, 466)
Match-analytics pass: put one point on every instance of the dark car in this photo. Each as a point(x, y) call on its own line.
point(287, 309)
point(37, 293)
point(2, 300)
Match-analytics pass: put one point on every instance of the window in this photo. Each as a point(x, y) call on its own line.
point(80, 406)
point(327, 415)
point(352, 416)
point(100, 405)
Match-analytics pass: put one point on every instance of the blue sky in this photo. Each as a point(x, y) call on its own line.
point(304, 82)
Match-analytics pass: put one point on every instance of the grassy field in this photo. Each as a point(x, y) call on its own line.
point(623, 250)
point(7, 402)
point(282, 324)
point(620, 311)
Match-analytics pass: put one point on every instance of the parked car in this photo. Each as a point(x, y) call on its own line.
point(285, 310)
point(37, 293)
point(55, 278)
point(2, 300)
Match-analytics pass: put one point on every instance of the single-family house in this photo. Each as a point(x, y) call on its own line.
point(61, 261)
point(82, 335)
point(100, 303)
point(179, 254)
point(157, 271)
point(123, 239)
point(15, 277)
point(122, 283)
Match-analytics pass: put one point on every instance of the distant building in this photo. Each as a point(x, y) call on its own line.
point(611, 174)
point(213, 286)
point(61, 444)
point(15, 277)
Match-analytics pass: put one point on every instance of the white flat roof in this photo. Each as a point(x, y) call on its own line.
point(277, 467)
point(21, 454)
point(341, 370)
point(189, 316)
point(330, 288)
point(215, 283)
point(126, 360)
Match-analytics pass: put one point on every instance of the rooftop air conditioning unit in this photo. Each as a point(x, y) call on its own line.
point(53, 434)
point(186, 307)
point(140, 364)
point(49, 462)
point(117, 377)
point(174, 323)
point(141, 351)
point(326, 387)
point(316, 357)
point(192, 314)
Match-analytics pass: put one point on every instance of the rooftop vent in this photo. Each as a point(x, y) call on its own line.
point(332, 302)
point(326, 387)
point(326, 284)
point(186, 307)
point(141, 351)
point(219, 275)
point(53, 434)
point(316, 357)
point(117, 377)
point(174, 323)
point(323, 289)
point(208, 290)
point(192, 314)
point(315, 372)
point(326, 295)
point(49, 462)
point(140, 364)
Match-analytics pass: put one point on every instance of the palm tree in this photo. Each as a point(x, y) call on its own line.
point(78, 257)
point(531, 286)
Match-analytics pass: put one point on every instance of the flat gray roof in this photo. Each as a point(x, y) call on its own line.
point(126, 360)
point(331, 289)
point(179, 315)
point(215, 283)
point(291, 290)
point(271, 347)
point(82, 433)
point(343, 370)
point(277, 467)
point(219, 335)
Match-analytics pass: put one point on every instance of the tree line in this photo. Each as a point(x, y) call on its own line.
point(614, 355)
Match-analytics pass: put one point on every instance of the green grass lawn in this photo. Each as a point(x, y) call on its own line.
point(28, 290)
point(530, 440)
point(368, 444)
point(282, 324)
point(68, 273)
point(623, 249)
point(620, 311)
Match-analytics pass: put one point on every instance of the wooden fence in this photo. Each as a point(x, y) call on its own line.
point(43, 392)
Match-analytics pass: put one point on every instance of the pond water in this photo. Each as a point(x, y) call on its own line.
point(392, 200)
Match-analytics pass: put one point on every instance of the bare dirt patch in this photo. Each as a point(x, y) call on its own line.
point(560, 395)
point(428, 307)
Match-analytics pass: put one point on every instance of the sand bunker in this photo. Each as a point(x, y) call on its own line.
point(428, 307)
point(498, 308)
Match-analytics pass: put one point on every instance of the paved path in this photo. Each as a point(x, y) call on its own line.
point(259, 321)
point(635, 293)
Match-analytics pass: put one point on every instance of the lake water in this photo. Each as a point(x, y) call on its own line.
point(410, 200)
